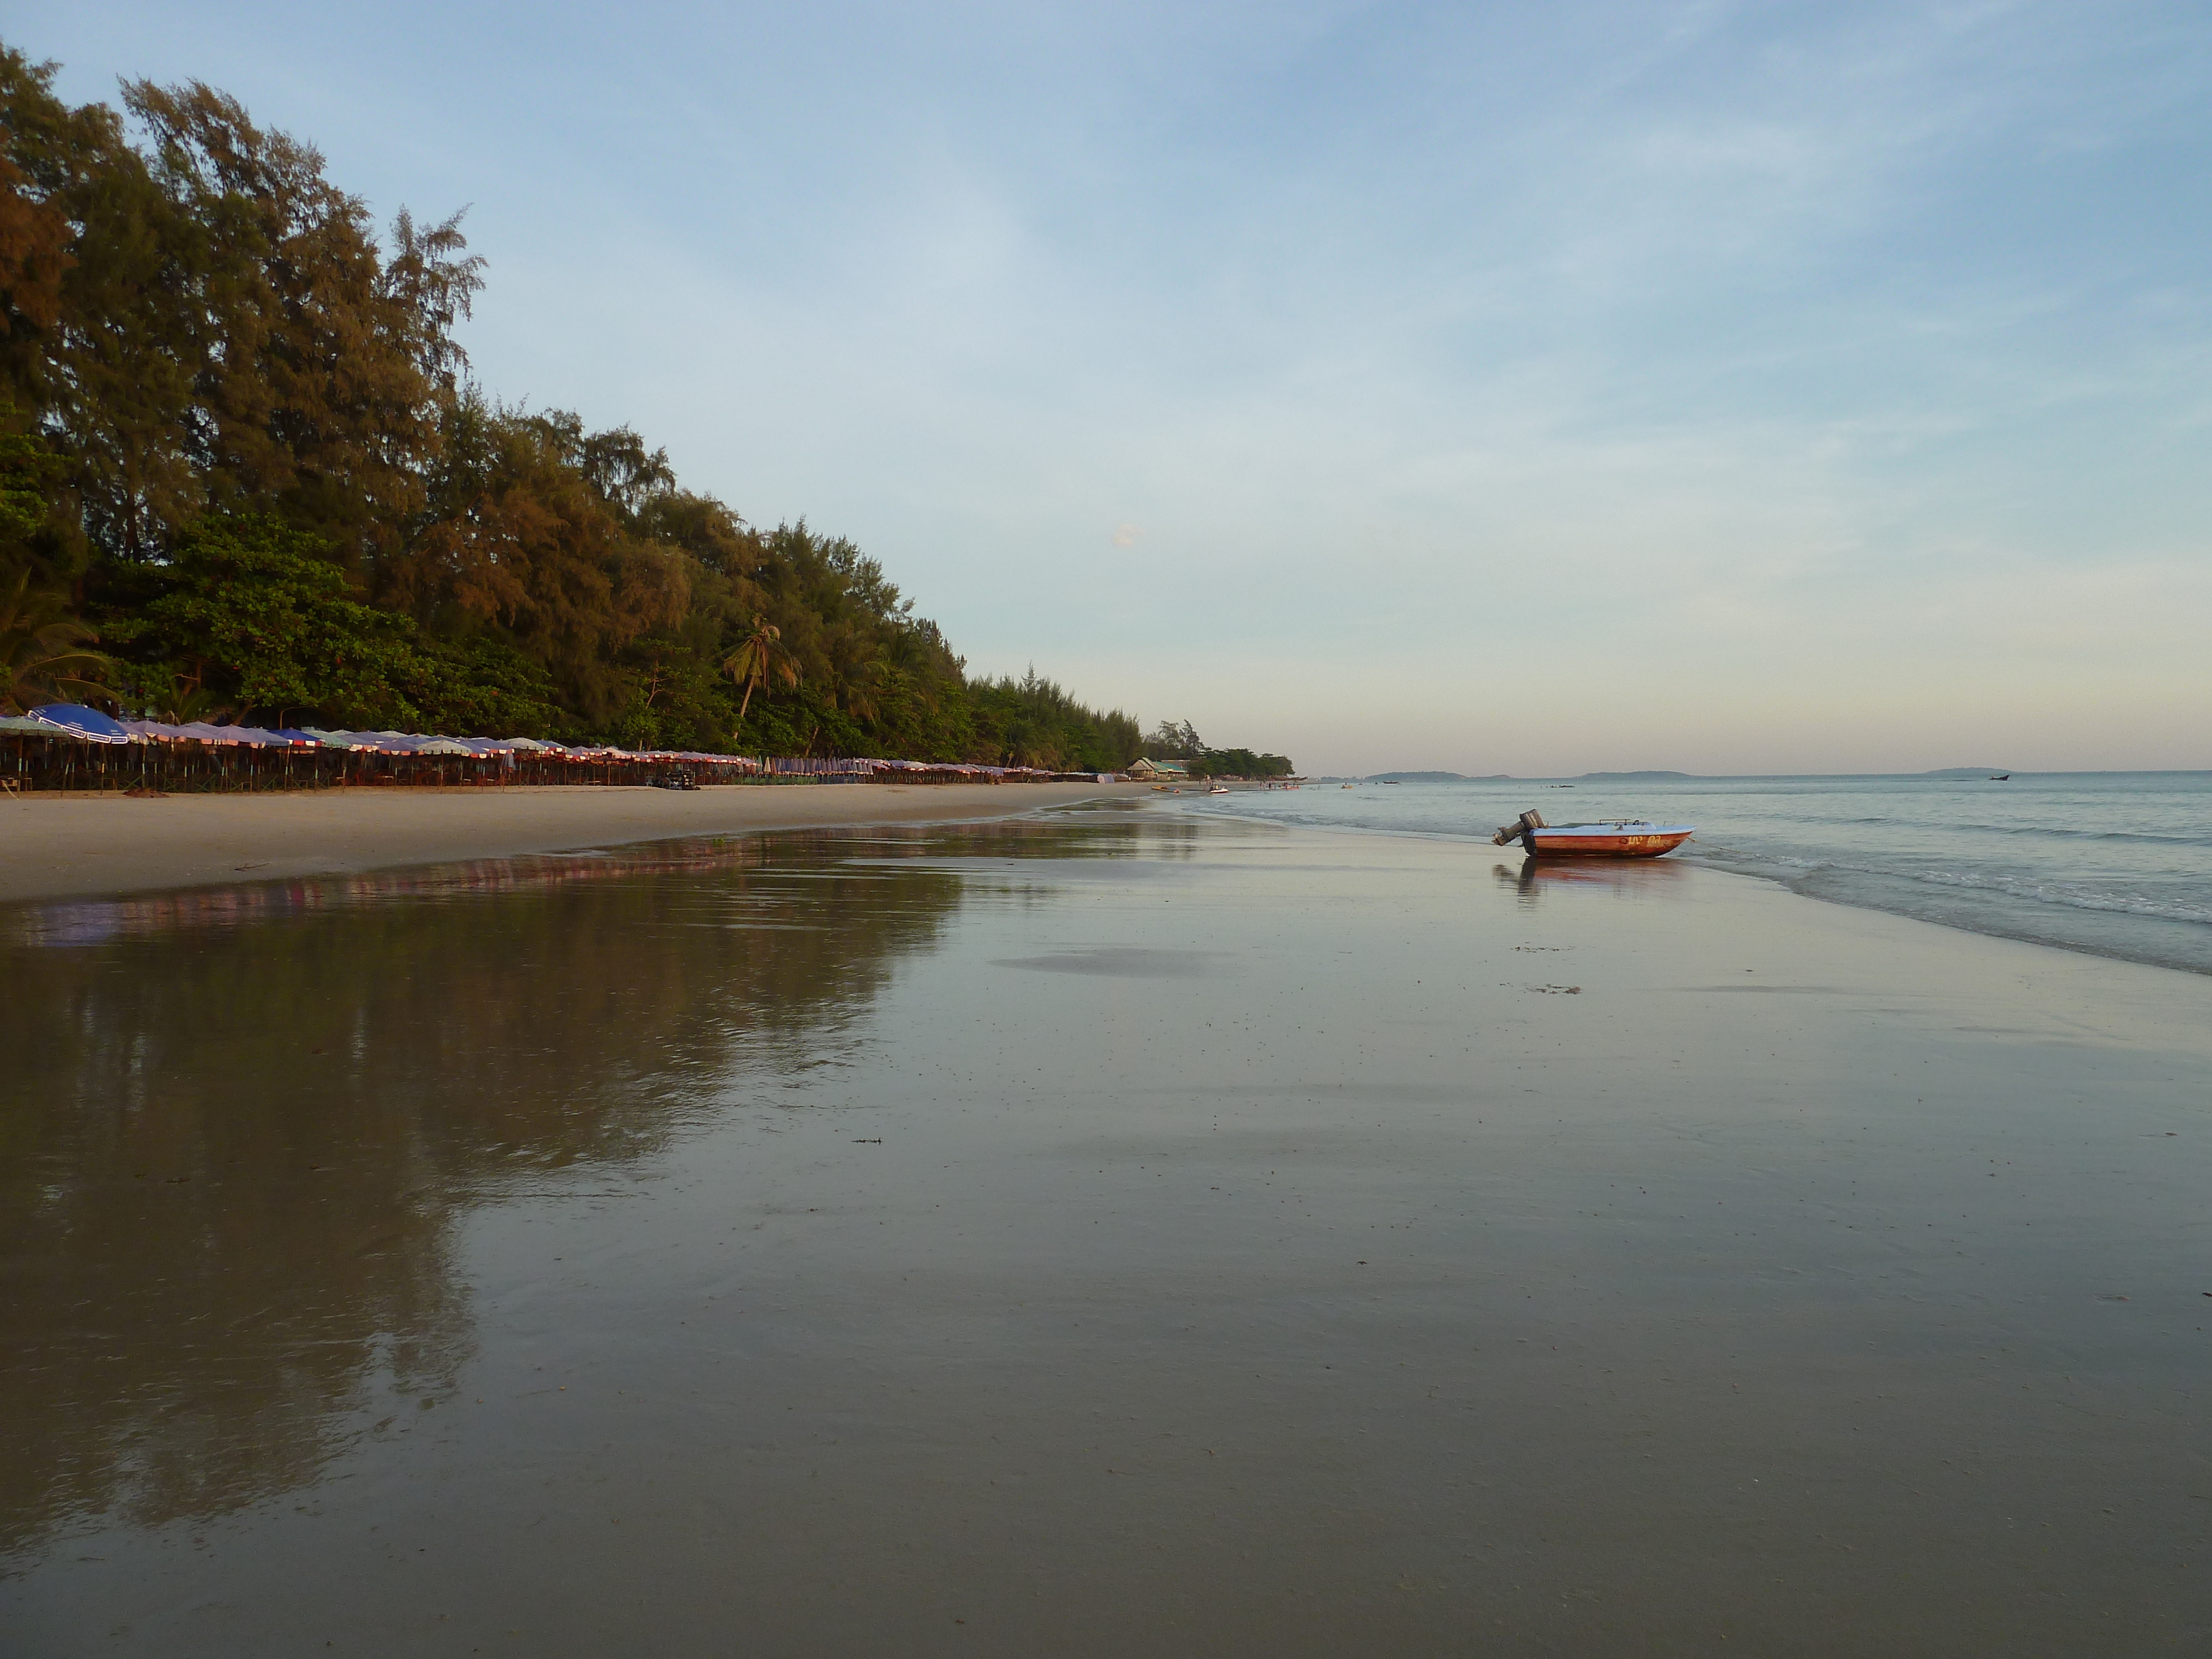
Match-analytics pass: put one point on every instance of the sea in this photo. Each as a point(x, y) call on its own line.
point(2118, 864)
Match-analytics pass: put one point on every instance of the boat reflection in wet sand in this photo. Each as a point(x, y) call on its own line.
point(1614, 838)
point(1531, 879)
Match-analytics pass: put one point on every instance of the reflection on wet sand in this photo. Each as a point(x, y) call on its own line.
point(1626, 877)
point(239, 1125)
point(1104, 1236)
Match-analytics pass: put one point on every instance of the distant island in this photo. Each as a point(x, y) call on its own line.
point(1653, 776)
point(1427, 777)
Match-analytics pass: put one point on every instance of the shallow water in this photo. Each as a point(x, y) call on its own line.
point(1115, 1233)
point(2118, 863)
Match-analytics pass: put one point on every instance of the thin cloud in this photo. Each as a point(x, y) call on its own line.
point(1788, 355)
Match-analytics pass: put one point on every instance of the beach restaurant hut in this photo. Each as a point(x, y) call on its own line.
point(1153, 771)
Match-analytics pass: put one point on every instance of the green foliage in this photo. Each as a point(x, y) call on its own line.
point(1241, 764)
point(27, 469)
point(254, 612)
point(248, 453)
point(483, 688)
point(1032, 722)
point(43, 649)
point(1170, 741)
point(31, 538)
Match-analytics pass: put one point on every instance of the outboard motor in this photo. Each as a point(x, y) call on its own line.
point(1523, 831)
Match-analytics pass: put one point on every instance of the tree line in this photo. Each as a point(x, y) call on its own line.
point(244, 473)
point(1179, 741)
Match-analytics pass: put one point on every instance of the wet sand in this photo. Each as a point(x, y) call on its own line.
point(63, 847)
point(1120, 1234)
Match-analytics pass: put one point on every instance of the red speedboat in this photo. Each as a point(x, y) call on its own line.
point(1615, 838)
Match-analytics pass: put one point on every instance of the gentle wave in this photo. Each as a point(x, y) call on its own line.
point(2060, 831)
point(1971, 827)
point(2117, 864)
point(2042, 892)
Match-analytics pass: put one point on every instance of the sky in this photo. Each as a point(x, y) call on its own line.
point(1492, 388)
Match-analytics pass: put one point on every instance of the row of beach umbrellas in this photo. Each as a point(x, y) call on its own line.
point(74, 720)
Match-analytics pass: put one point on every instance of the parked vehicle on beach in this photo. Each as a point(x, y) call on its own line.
point(1611, 838)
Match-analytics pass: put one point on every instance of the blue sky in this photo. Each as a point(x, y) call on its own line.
point(1503, 388)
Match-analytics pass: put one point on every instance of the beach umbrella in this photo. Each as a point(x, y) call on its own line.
point(442, 746)
point(88, 723)
point(254, 737)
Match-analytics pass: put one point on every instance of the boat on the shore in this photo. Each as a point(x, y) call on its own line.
point(1611, 838)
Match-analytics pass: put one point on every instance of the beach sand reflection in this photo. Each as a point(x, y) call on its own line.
point(1623, 878)
point(241, 1124)
point(1123, 1234)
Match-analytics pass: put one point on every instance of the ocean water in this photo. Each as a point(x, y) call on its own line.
point(2115, 863)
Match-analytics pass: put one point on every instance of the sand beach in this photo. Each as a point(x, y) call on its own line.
point(81, 846)
point(1108, 1231)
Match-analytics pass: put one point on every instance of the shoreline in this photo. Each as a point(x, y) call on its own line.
point(108, 846)
point(96, 845)
point(2115, 932)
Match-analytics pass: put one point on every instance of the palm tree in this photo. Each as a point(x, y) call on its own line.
point(759, 658)
point(41, 647)
point(187, 704)
point(862, 677)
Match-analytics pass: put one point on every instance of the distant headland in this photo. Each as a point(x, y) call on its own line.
point(1648, 776)
point(1430, 777)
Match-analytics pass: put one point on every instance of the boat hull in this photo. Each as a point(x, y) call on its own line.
point(1604, 844)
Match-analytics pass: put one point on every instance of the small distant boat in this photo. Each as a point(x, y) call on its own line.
point(2000, 777)
point(1219, 789)
point(1614, 838)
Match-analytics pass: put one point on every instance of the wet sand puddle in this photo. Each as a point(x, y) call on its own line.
point(1106, 1233)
